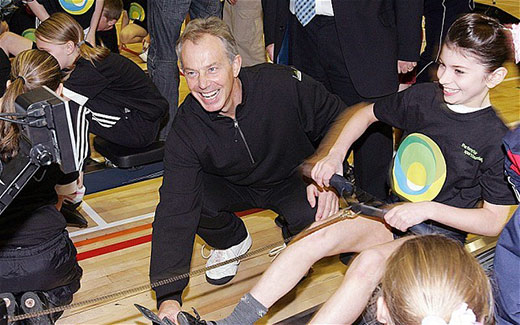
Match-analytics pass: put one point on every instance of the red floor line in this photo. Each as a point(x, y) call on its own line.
point(132, 242)
point(114, 247)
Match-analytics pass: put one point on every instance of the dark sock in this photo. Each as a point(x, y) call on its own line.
point(248, 311)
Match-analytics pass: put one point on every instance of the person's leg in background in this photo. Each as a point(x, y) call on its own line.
point(321, 57)
point(244, 18)
point(165, 19)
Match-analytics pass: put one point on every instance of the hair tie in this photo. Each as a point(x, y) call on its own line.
point(81, 43)
point(461, 316)
point(21, 78)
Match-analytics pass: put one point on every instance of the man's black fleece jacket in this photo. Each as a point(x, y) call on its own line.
point(283, 112)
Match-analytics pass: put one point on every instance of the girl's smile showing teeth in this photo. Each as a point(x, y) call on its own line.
point(449, 91)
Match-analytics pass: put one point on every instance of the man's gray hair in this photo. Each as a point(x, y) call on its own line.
point(198, 28)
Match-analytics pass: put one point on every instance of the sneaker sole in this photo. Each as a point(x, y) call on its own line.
point(221, 281)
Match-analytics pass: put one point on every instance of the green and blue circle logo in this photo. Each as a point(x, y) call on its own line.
point(419, 169)
point(136, 12)
point(76, 7)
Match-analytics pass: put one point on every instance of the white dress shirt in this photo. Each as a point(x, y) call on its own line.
point(323, 7)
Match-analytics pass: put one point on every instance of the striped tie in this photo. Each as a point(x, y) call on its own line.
point(305, 10)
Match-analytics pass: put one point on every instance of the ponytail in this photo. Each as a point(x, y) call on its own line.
point(61, 28)
point(10, 132)
point(30, 69)
point(92, 53)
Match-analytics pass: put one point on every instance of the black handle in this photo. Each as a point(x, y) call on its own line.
point(420, 229)
point(341, 185)
point(346, 188)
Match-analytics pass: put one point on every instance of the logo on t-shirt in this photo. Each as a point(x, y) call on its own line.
point(472, 153)
point(419, 169)
point(76, 7)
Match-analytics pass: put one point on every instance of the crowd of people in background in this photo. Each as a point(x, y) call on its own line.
point(270, 81)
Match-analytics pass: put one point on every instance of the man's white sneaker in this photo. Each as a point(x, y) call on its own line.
point(224, 274)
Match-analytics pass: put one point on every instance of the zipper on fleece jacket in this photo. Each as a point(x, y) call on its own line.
point(235, 124)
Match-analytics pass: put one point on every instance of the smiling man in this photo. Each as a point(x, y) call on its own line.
point(236, 143)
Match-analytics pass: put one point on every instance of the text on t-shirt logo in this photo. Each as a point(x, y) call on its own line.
point(472, 153)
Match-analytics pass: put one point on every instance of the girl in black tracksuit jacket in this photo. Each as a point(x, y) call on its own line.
point(126, 106)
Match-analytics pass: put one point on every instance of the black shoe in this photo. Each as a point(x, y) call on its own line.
point(31, 302)
point(72, 215)
point(282, 223)
point(184, 318)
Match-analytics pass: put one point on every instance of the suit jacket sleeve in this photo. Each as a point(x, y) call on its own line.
point(408, 19)
point(269, 9)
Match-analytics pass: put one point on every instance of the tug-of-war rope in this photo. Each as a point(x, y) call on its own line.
point(343, 214)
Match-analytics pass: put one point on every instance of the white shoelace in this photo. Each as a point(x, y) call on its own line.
point(276, 251)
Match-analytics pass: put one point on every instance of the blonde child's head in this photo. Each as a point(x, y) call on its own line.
point(432, 279)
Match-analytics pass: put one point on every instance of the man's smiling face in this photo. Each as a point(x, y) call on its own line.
point(210, 75)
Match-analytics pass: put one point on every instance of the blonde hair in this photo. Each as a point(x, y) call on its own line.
point(433, 276)
point(61, 28)
point(198, 28)
point(30, 69)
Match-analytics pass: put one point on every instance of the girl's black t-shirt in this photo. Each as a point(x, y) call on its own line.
point(82, 12)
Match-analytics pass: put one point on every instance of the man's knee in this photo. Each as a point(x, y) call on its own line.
point(298, 223)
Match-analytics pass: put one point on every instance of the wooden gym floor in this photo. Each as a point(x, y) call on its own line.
point(114, 251)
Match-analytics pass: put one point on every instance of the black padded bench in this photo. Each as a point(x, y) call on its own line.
point(123, 157)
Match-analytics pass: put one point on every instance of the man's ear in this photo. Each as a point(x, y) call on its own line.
point(237, 64)
point(382, 311)
point(496, 77)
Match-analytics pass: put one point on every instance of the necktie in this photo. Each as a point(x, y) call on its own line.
point(305, 10)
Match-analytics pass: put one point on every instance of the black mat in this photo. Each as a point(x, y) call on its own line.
point(105, 178)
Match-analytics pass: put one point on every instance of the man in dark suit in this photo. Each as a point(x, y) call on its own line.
point(356, 48)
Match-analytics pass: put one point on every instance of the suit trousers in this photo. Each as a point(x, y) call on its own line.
point(316, 51)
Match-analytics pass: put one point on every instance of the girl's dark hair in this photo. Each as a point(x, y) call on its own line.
point(30, 69)
point(482, 36)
